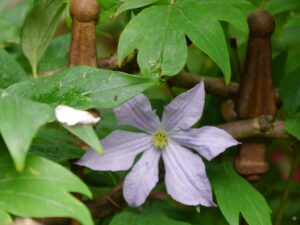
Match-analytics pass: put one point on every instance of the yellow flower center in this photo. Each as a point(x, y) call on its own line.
point(160, 139)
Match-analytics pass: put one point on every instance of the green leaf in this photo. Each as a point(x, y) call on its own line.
point(9, 33)
point(4, 217)
point(292, 126)
point(107, 9)
point(39, 28)
point(56, 55)
point(16, 15)
point(55, 144)
point(143, 216)
point(10, 71)
point(87, 134)
point(235, 195)
point(3, 4)
point(290, 93)
point(133, 4)
point(279, 6)
point(220, 8)
point(293, 22)
point(83, 88)
point(19, 122)
point(41, 190)
point(158, 32)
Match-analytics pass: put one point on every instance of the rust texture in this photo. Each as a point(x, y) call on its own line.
point(256, 94)
point(83, 45)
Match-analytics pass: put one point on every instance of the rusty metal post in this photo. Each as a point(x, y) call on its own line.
point(256, 93)
point(83, 51)
point(83, 45)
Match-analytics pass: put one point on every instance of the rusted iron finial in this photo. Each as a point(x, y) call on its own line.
point(83, 46)
point(256, 94)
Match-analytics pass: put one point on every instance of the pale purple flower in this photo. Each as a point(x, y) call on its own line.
point(172, 138)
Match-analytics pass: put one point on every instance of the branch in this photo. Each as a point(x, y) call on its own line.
point(213, 85)
point(258, 127)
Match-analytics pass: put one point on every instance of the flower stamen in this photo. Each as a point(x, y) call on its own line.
point(160, 139)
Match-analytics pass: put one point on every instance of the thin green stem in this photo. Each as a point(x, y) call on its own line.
point(285, 195)
point(34, 71)
point(262, 4)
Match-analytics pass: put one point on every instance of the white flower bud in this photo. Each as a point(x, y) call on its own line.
point(70, 116)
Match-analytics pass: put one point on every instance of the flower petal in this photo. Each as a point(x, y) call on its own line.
point(138, 113)
point(185, 110)
point(70, 116)
point(120, 150)
point(208, 141)
point(186, 179)
point(142, 178)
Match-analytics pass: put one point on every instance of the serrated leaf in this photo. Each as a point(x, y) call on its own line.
point(4, 217)
point(235, 195)
point(292, 126)
point(87, 134)
point(144, 216)
point(158, 32)
point(55, 144)
point(133, 4)
point(10, 71)
point(56, 54)
point(41, 190)
point(39, 28)
point(290, 93)
point(20, 119)
point(83, 87)
point(279, 6)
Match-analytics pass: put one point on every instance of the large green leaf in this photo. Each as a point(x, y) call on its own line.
point(55, 144)
point(279, 6)
point(4, 217)
point(83, 88)
point(158, 32)
point(39, 28)
point(10, 71)
point(292, 126)
point(41, 190)
point(87, 134)
point(56, 55)
point(235, 195)
point(290, 93)
point(20, 119)
point(133, 4)
point(144, 216)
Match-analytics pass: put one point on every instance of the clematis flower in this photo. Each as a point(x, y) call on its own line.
point(171, 138)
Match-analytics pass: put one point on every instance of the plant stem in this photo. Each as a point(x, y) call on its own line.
point(262, 4)
point(34, 71)
point(285, 195)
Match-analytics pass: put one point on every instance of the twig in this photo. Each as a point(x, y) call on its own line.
point(262, 4)
point(213, 85)
point(258, 127)
point(236, 59)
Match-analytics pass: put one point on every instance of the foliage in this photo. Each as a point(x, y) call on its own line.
point(157, 39)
